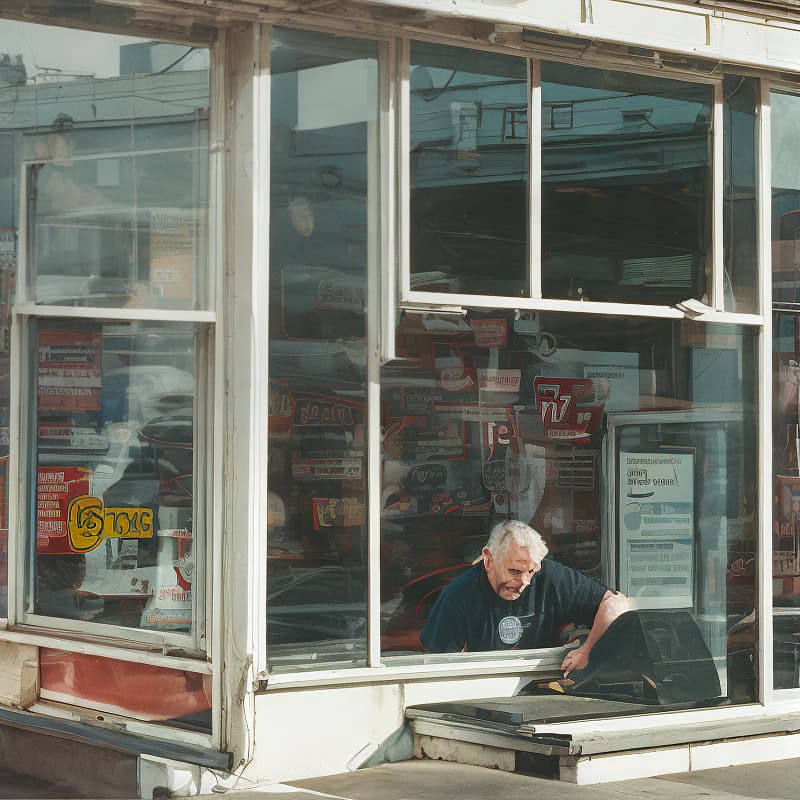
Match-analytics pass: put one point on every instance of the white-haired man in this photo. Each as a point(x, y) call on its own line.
point(517, 598)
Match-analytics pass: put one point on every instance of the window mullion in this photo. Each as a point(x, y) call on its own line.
point(380, 322)
point(18, 469)
point(535, 180)
point(717, 199)
point(764, 669)
point(403, 168)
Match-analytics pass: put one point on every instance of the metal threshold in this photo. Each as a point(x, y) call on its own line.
point(121, 741)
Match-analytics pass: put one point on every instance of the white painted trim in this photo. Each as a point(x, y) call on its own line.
point(42, 623)
point(202, 504)
point(22, 276)
point(67, 709)
point(116, 314)
point(388, 80)
point(526, 664)
point(471, 10)
point(404, 168)
point(241, 602)
point(259, 403)
point(764, 673)
point(535, 179)
point(103, 155)
point(115, 651)
point(625, 766)
point(717, 249)
point(755, 750)
point(215, 471)
point(646, 722)
point(377, 173)
point(438, 300)
point(17, 469)
point(18, 466)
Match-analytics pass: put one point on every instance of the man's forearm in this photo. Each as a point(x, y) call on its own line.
point(611, 606)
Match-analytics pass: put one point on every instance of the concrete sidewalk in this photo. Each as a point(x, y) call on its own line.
point(438, 780)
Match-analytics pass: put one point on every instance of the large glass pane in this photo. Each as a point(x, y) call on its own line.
point(740, 228)
point(626, 194)
point(114, 515)
point(469, 171)
point(540, 419)
point(324, 172)
point(786, 389)
point(114, 133)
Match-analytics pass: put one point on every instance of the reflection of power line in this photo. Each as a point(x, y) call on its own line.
point(175, 62)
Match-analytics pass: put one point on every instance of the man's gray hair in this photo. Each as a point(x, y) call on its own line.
point(512, 529)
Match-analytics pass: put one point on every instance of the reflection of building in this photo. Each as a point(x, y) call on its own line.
point(289, 338)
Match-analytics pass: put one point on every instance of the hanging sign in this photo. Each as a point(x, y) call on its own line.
point(656, 527)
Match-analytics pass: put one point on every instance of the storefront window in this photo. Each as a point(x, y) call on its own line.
point(114, 474)
point(786, 390)
point(469, 171)
point(323, 174)
point(626, 186)
point(739, 231)
point(113, 132)
point(496, 416)
point(104, 188)
point(8, 271)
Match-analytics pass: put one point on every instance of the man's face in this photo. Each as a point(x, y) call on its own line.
point(512, 572)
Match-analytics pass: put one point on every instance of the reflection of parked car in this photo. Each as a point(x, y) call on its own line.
point(401, 626)
point(317, 604)
point(329, 604)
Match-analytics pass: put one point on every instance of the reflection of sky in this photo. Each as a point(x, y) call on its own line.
point(785, 121)
point(71, 53)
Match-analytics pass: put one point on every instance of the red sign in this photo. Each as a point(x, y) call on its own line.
point(568, 407)
point(55, 487)
point(70, 371)
point(490, 332)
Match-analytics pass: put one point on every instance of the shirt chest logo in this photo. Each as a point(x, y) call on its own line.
point(510, 629)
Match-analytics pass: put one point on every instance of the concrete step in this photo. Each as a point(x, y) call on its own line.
point(515, 735)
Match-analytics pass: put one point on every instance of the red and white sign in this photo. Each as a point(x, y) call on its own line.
point(55, 487)
point(70, 371)
point(568, 408)
point(500, 380)
point(490, 332)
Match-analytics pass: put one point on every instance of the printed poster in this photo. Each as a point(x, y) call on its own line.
point(656, 528)
point(55, 487)
point(171, 253)
point(70, 371)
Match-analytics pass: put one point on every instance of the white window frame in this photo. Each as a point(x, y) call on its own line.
point(451, 301)
point(47, 631)
point(768, 611)
point(393, 283)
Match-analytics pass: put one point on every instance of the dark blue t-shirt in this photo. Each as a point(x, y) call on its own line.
point(469, 612)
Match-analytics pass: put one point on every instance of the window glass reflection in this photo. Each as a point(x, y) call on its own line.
point(114, 532)
point(114, 131)
point(626, 194)
point(323, 170)
point(786, 390)
point(740, 235)
point(493, 416)
point(469, 171)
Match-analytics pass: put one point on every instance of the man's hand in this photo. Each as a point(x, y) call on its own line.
point(575, 659)
point(611, 606)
